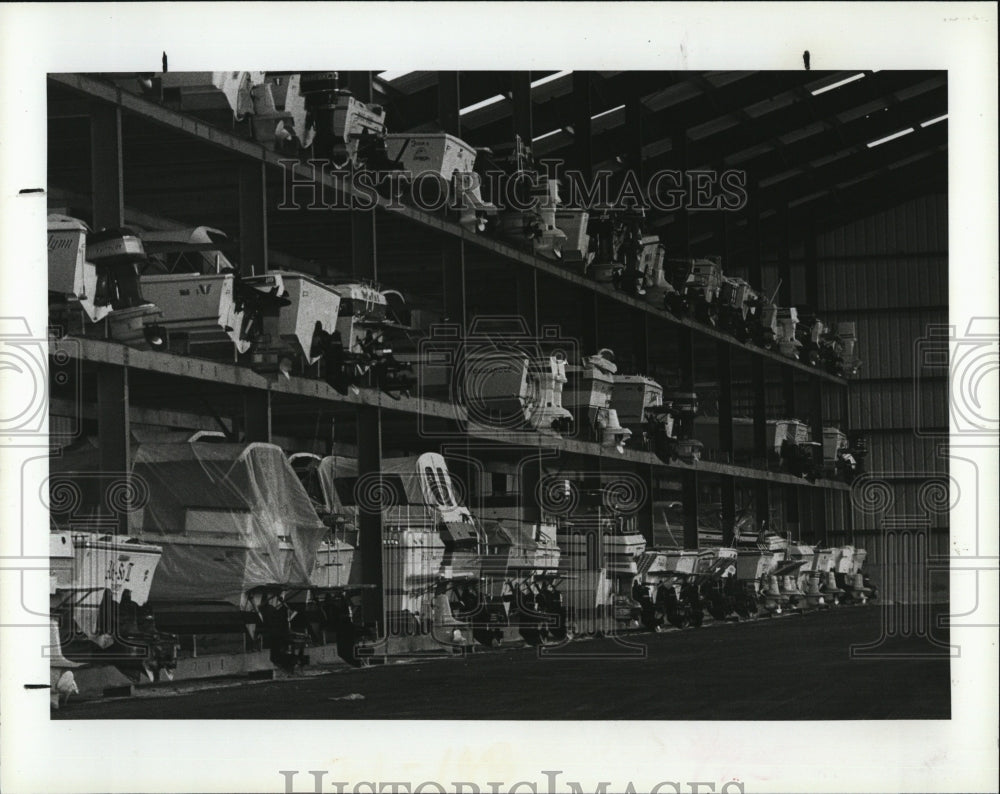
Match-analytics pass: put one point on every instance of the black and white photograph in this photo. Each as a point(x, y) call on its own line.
point(610, 408)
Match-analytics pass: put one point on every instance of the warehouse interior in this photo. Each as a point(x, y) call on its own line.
point(846, 212)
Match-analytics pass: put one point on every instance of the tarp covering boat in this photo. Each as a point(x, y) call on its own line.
point(229, 517)
point(237, 498)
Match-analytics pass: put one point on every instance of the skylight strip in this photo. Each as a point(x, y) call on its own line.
point(393, 74)
point(607, 112)
point(892, 137)
point(479, 105)
point(549, 79)
point(547, 135)
point(838, 84)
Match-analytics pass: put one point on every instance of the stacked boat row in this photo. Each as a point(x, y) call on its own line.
point(501, 191)
point(177, 290)
point(191, 298)
point(245, 540)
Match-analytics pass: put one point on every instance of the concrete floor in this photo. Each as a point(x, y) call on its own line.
point(793, 667)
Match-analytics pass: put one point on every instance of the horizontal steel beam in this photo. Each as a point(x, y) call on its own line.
point(104, 353)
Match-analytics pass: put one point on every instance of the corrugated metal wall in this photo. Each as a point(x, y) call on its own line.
point(889, 274)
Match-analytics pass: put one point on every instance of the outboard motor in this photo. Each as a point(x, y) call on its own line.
point(843, 459)
point(528, 200)
point(593, 383)
point(629, 248)
point(810, 333)
point(637, 401)
point(738, 308)
point(655, 280)
point(715, 585)
point(294, 332)
point(771, 597)
point(575, 249)
point(671, 427)
point(787, 339)
point(358, 353)
point(604, 267)
point(543, 400)
point(697, 283)
point(344, 128)
point(678, 601)
point(766, 330)
point(279, 118)
point(795, 449)
point(847, 362)
point(98, 273)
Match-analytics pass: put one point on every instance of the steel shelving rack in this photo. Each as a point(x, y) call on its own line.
point(118, 383)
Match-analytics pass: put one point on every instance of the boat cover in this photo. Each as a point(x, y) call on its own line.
point(229, 517)
point(244, 496)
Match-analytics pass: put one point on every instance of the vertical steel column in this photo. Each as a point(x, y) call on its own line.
point(363, 253)
point(788, 392)
point(724, 361)
point(530, 475)
point(453, 261)
point(113, 431)
point(453, 281)
point(755, 275)
point(107, 174)
point(758, 386)
point(453, 249)
point(755, 267)
point(784, 262)
point(689, 496)
point(816, 416)
point(818, 524)
point(785, 299)
point(645, 515)
point(253, 217)
point(368, 419)
point(449, 103)
point(363, 249)
point(685, 356)
point(589, 335)
point(634, 112)
point(811, 265)
point(257, 416)
point(679, 157)
point(369, 425)
point(728, 509)
point(583, 153)
point(526, 285)
point(762, 499)
point(793, 518)
point(689, 478)
point(760, 440)
point(520, 95)
point(639, 321)
point(723, 232)
point(724, 353)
